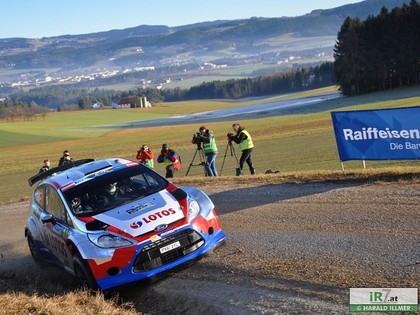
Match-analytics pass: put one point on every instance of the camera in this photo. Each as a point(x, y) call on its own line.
point(196, 139)
point(229, 134)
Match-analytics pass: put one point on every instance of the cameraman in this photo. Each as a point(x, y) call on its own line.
point(145, 155)
point(244, 139)
point(206, 137)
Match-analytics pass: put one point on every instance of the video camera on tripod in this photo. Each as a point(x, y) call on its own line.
point(196, 139)
point(229, 145)
point(229, 136)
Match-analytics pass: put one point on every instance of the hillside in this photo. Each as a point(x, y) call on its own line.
point(152, 54)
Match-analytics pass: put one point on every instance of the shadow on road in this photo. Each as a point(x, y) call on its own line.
point(233, 200)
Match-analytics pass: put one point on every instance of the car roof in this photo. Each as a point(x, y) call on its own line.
point(74, 173)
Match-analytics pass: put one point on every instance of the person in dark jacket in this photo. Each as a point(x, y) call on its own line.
point(171, 159)
point(66, 158)
point(45, 167)
point(244, 139)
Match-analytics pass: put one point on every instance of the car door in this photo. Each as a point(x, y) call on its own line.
point(56, 228)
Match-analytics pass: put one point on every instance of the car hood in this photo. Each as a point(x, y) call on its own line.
point(153, 212)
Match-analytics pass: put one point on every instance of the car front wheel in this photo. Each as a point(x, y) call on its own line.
point(34, 251)
point(83, 274)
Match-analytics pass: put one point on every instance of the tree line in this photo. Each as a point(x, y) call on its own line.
point(292, 81)
point(380, 53)
point(14, 111)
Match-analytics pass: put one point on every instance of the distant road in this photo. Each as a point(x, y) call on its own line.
point(238, 113)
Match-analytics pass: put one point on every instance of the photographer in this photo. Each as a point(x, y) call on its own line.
point(206, 137)
point(65, 159)
point(145, 155)
point(171, 160)
point(244, 139)
point(45, 167)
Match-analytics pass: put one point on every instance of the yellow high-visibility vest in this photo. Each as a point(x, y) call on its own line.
point(247, 143)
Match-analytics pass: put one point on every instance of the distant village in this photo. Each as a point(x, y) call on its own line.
point(33, 78)
point(49, 80)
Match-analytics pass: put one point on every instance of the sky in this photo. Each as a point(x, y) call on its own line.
point(45, 18)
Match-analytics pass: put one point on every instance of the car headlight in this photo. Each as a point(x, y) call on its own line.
point(206, 206)
point(109, 240)
point(193, 210)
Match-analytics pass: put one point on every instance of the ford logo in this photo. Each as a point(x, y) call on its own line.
point(161, 227)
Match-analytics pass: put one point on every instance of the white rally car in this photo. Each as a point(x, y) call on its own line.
point(113, 221)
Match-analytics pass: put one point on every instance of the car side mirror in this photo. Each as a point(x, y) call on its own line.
point(48, 219)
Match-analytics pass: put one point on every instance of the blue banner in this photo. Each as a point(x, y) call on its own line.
point(386, 134)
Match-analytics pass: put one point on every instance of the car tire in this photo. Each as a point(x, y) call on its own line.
point(83, 274)
point(34, 251)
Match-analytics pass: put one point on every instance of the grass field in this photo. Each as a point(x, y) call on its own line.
point(294, 144)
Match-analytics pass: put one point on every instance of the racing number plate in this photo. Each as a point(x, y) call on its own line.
point(169, 247)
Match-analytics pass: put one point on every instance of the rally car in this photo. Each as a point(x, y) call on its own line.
point(114, 221)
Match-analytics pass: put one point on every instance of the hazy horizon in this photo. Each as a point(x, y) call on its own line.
point(44, 18)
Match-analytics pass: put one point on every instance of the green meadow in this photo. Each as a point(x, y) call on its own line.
point(300, 142)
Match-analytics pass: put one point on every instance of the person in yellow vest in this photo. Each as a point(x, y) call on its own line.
point(244, 139)
point(206, 138)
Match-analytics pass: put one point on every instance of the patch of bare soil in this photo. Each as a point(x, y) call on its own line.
point(291, 248)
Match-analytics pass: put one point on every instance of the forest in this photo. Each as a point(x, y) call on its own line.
point(380, 53)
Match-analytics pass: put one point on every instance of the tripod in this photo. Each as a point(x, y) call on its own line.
point(200, 153)
point(232, 153)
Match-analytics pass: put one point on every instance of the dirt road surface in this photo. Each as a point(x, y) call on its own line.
point(291, 248)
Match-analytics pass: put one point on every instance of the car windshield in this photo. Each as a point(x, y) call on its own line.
point(113, 189)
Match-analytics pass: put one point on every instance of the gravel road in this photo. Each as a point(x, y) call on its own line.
point(291, 248)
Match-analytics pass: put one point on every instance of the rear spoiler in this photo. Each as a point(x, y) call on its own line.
point(51, 171)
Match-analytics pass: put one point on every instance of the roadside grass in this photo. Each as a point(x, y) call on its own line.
point(299, 142)
point(76, 302)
